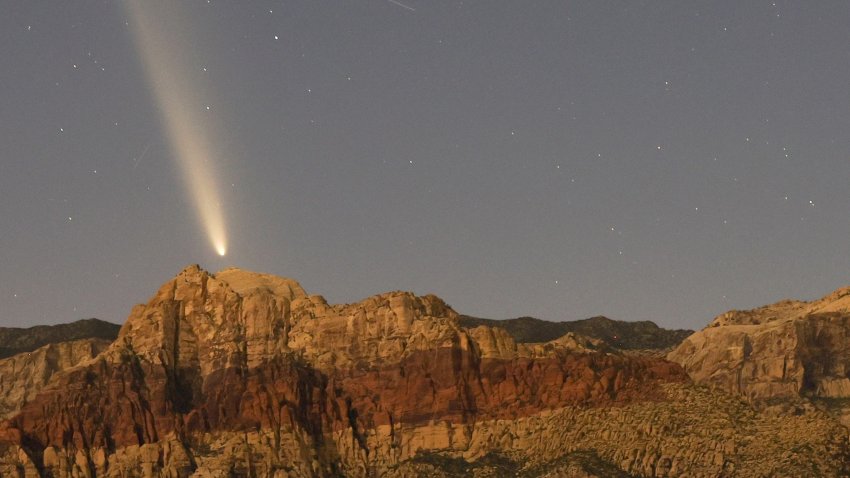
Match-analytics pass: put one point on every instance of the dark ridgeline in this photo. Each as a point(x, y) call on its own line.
point(15, 340)
point(621, 334)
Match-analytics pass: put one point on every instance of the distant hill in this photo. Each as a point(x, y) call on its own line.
point(18, 340)
point(617, 333)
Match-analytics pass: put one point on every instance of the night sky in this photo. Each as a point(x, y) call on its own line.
point(640, 160)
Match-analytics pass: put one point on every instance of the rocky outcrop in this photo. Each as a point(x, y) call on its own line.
point(22, 376)
point(17, 340)
point(782, 351)
point(619, 334)
point(245, 374)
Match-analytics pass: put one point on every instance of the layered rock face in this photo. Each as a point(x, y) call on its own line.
point(22, 376)
point(245, 374)
point(784, 351)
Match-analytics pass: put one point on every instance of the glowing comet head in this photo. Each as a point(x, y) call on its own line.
point(221, 249)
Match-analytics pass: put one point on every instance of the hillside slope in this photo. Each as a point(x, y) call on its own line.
point(616, 333)
point(15, 340)
point(791, 353)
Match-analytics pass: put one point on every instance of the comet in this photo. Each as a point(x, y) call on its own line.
point(159, 33)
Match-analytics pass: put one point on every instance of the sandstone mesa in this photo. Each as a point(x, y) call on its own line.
point(245, 374)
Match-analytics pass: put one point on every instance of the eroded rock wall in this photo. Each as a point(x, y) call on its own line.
point(245, 374)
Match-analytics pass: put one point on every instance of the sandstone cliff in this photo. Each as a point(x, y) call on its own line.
point(22, 376)
point(783, 350)
point(245, 374)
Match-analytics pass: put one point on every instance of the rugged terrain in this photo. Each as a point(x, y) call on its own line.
point(245, 374)
point(641, 335)
point(15, 340)
point(22, 376)
point(791, 353)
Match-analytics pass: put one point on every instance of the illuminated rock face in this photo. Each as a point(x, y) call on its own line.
point(244, 374)
point(25, 374)
point(787, 350)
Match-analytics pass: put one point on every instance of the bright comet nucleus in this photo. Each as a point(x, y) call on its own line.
point(164, 41)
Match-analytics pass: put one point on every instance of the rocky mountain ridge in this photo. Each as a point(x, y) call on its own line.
point(245, 374)
point(787, 352)
point(641, 335)
point(14, 340)
point(22, 376)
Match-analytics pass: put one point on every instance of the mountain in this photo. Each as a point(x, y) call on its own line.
point(623, 335)
point(246, 374)
point(24, 375)
point(788, 353)
point(16, 340)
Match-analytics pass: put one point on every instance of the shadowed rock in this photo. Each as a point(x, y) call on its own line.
point(19, 340)
point(641, 335)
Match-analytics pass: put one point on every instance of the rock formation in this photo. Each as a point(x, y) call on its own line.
point(642, 335)
point(245, 374)
point(22, 376)
point(780, 352)
point(15, 340)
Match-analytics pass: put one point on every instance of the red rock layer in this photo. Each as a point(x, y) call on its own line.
point(134, 402)
point(450, 384)
point(243, 351)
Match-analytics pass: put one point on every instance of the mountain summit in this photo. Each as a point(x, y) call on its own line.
point(246, 374)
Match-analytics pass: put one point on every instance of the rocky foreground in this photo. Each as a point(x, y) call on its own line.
point(245, 374)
